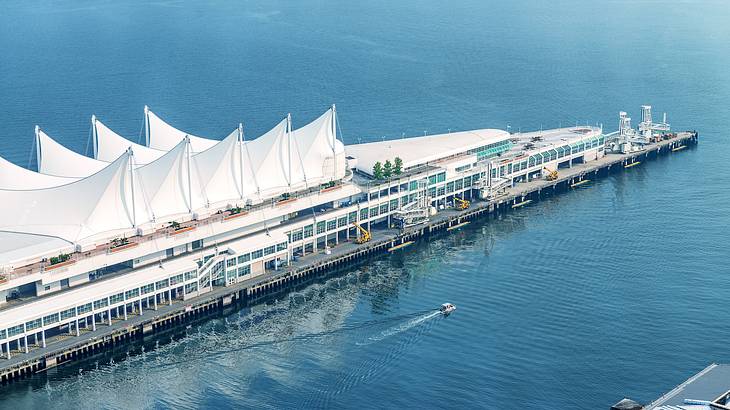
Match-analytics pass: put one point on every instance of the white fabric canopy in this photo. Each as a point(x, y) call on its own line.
point(163, 136)
point(283, 160)
point(99, 203)
point(108, 145)
point(120, 196)
point(168, 186)
point(55, 159)
point(16, 177)
point(221, 170)
point(322, 155)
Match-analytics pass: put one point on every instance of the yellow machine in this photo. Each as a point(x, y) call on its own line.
point(551, 175)
point(461, 203)
point(364, 234)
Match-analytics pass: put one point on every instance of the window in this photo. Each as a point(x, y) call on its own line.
point(441, 191)
point(297, 235)
point(441, 177)
point(413, 185)
point(101, 303)
point(432, 192)
point(15, 330)
point(119, 297)
point(231, 273)
point(363, 214)
point(244, 258)
point(244, 270)
point(191, 287)
point(176, 279)
point(282, 247)
point(68, 313)
point(197, 244)
point(373, 211)
point(47, 320)
point(231, 262)
point(84, 308)
point(342, 221)
point(161, 284)
point(257, 254)
point(384, 208)
point(190, 275)
point(132, 293)
point(321, 227)
point(352, 217)
point(432, 179)
point(308, 231)
point(450, 187)
point(269, 250)
point(393, 204)
point(33, 324)
point(148, 288)
point(331, 224)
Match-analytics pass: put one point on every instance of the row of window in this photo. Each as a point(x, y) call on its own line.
point(259, 253)
point(98, 304)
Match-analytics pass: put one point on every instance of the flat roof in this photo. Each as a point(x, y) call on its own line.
point(416, 151)
point(550, 138)
point(707, 385)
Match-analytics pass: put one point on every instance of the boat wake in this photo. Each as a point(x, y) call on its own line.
point(400, 328)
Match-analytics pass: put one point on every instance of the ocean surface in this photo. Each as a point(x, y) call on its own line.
point(616, 289)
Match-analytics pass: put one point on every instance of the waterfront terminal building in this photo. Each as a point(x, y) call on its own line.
point(86, 241)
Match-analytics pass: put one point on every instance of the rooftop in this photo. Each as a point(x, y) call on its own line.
point(415, 151)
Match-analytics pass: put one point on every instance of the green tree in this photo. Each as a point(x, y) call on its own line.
point(397, 166)
point(387, 169)
point(378, 170)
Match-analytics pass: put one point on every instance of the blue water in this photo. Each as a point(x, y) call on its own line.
point(618, 289)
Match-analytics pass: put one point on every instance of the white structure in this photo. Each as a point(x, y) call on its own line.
point(420, 151)
point(187, 221)
point(163, 136)
point(16, 177)
point(108, 145)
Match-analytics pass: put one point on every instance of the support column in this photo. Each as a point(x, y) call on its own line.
point(43, 338)
point(125, 311)
point(25, 343)
point(78, 332)
point(169, 297)
point(155, 298)
point(109, 317)
point(140, 307)
point(93, 322)
point(7, 349)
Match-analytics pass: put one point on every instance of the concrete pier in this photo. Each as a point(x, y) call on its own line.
point(44, 353)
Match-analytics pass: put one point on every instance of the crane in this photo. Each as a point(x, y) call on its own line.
point(552, 174)
point(460, 203)
point(364, 234)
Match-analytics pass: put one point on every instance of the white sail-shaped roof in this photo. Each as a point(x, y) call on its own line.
point(55, 159)
point(16, 177)
point(322, 156)
point(221, 170)
point(81, 209)
point(108, 145)
point(169, 186)
point(269, 160)
point(163, 136)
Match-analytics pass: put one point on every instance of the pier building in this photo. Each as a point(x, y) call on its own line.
point(88, 242)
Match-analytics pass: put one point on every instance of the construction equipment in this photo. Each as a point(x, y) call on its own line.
point(460, 203)
point(364, 234)
point(551, 175)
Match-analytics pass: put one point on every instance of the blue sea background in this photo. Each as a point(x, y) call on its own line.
point(618, 289)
